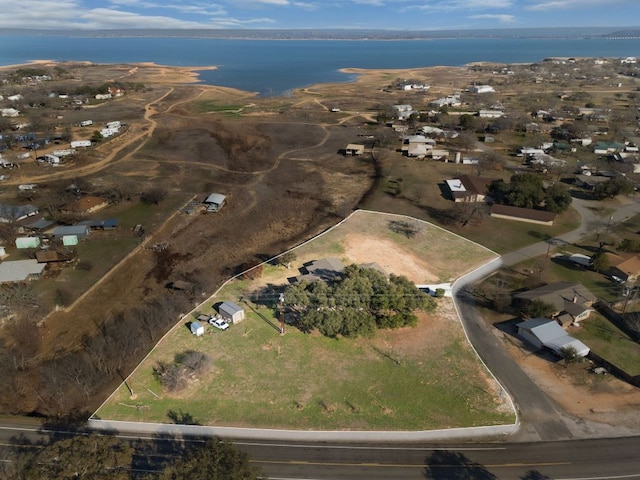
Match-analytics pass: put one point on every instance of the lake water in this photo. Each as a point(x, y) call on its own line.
point(274, 67)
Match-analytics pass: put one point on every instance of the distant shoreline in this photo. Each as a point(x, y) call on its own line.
point(632, 32)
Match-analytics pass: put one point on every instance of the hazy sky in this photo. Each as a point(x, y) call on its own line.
point(287, 14)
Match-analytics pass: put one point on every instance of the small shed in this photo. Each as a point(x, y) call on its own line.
point(354, 149)
point(27, 242)
point(231, 312)
point(69, 240)
point(196, 328)
point(215, 202)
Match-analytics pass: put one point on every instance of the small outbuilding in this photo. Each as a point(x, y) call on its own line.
point(231, 312)
point(196, 328)
point(215, 202)
point(354, 149)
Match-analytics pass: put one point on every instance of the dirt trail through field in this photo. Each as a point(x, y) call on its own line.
point(137, 133)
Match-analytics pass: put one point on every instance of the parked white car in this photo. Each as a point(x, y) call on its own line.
point(219, 323)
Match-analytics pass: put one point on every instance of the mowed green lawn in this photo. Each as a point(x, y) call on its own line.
point(419, 378)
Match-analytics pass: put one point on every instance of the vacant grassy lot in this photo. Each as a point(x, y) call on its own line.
point(610, 343)
point(417, 378)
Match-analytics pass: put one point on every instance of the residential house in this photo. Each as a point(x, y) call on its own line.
point(434, 131)
point(520, 214)
point(108, 224)
point(626, 267)
point(79, 231)
point(589, 182)
point(20, 271)
point(608, 148)
point(490, 113)
point(16, 213)
point(481, 89)
point(571, 300)
point(403, 112)
point(467, 188)
point(418, 150)
point(544, 332)
point(448, 101)
point(354, 149)
point(325, 269)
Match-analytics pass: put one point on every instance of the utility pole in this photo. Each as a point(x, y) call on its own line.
point(281, 313)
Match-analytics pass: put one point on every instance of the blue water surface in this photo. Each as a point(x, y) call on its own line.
point(275, 67)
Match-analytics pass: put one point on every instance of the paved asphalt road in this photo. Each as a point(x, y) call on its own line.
point(547, 447)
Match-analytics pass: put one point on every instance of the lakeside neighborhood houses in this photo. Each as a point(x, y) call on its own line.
point(456, 123)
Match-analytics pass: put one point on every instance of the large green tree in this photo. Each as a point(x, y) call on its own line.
point(527, 190)
point(362, 300)
point(612, 188)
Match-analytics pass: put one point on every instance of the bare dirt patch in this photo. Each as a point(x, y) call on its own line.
point(601, 399)
point(363, 249)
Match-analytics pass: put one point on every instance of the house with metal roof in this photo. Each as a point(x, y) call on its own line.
point(544, 332)
point(80, 231)
point(108, 224)
point(215, 202)
point(20, 271)
point(231, 312)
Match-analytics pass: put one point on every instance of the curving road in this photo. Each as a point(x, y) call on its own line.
point(541, 418)
point(548, 445)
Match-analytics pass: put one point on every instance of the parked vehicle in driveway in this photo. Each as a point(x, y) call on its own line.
point(219, 323)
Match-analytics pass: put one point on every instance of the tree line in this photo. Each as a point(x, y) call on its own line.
point(69, 380)
point(105, 457)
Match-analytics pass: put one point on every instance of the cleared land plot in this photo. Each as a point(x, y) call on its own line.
point(425, 377)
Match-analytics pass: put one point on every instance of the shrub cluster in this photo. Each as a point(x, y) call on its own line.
point(175, 376)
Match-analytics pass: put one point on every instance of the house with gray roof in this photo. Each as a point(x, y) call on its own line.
point(15, 213)
point(325, 269)
point(214, 202)
point(544, 332)
point(20, 271)
point(80, 231)
point(571, 300)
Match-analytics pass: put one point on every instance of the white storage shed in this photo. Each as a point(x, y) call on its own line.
point(197, 329)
